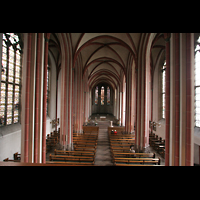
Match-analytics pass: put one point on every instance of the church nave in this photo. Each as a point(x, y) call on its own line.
point(146, 83)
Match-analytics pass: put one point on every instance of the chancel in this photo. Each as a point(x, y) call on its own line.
point(117, 99)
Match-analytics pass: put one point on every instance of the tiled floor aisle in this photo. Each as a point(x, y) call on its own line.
point(103, 153)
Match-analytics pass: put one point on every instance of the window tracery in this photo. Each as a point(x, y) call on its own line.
point(163, 72)
point(197, 83)
point(10, 78)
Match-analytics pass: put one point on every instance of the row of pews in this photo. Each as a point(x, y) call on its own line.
point(84, 151)
point(122, 156)
point(52, 139)
point(157, 143)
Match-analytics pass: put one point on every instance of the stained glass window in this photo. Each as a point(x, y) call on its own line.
point(48, 90)
point(108, 96)
point(163, 70)
point(197, 83)
point(10, 79)
point(102, 95)
point(96, 95)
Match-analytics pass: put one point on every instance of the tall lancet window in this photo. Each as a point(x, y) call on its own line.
point(197, 83)
point(48, 89)
point(108, 96)
point(102, 95)
point(96, 95)
point(10, 79)
point(163, 71)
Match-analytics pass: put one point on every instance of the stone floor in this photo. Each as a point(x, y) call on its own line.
point(103, 153)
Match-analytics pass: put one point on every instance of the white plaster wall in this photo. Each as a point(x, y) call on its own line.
point(10, 141)
point(52, 103)
point(160, 131)
point(59, 96)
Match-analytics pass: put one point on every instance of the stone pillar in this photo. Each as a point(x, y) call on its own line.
point(179, 144)
point(167, 98)
point(25, 123)
point(47, 36)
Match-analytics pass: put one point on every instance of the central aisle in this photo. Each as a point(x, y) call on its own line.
point(103, 154)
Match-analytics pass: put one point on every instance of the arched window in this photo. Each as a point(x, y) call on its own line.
point(197, 83)
point(163, 74)
point(48, 88)
point(10, 79)
point(102, 95)
point(96, 95)
point(108, 96)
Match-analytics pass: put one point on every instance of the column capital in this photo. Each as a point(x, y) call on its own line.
point(167, 37)
point(47, 37)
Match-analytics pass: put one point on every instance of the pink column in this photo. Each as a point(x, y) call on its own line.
point(36, 129)
point(139, 107)
point(177, 96)
point(27, 103)
point(136, 95)
point(47, 36)
point(167, 98)
point(188, 98)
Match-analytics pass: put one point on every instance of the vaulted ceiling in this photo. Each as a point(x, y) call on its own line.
point(105, 55)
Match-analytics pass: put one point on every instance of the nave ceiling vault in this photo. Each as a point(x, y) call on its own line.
point(105, 56)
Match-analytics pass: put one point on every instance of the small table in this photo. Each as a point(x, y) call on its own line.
point(103, 118)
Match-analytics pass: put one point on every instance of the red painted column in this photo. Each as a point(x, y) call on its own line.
point(131, 123)
point(167, 98)
point(36, 129)
point(65, 96)
point(27, 103)
point(47, 36)
point(177, 96)
point(188, 98)
point(139, 107)
point(72, 110)
point(136, 95)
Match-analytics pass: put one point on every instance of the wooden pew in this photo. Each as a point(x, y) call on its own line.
point(17, 156)
point(53, 137)
point(83, 144)
point(121, 135)
point(137, 165)
point(129, 141)
point(57, 163)
point(137, 160)
point(88, 137)
point(10, 160)
point(75, 153)
point(48, 163)
point(91, 129)
point(157, 143)
point(132, 155)
point(72, 159)
point(119, 129)
point(122, 139)
point(50, 143)
point(90, 148)
point(120, 149)
point(121, 145)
